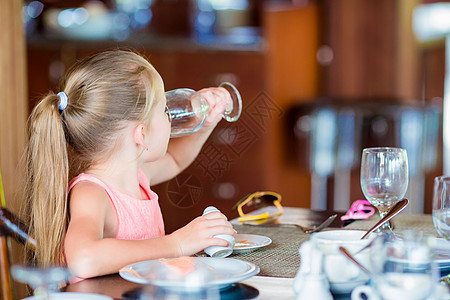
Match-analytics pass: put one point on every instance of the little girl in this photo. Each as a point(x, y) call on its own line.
point(94, 150)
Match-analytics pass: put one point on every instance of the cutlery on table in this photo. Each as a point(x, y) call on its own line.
point(305, 229)
point(353, 259)
point(397, 208)
point(393, 211)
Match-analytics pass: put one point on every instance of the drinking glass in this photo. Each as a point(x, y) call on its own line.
point(43, 281)
point(188, 109)
point(401, 268)
point(384, 177)
point(441, 206)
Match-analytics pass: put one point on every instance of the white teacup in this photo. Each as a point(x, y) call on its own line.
point(342, 274)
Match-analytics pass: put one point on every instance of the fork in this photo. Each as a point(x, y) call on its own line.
point(305, 229)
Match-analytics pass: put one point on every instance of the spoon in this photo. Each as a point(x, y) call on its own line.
point(353, 259)
point(398, 207)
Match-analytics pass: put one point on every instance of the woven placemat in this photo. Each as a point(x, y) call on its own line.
point(279, 259)
point(423, 223)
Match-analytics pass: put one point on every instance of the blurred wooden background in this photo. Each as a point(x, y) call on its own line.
point(345, 51)
point(374, 55)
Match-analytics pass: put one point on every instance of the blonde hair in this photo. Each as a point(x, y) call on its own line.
point(104, 92)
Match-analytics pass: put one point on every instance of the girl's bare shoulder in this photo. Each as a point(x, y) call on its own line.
point(90, 204)
point(88, 193)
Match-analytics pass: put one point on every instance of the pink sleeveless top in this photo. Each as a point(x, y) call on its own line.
point(137, 219)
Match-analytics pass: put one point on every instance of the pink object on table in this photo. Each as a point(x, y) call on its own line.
point(360, 210)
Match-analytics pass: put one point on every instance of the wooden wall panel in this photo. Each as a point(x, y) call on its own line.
point(408, 76)
point(375, 51)
point(14, 103)
point(13, 110)
point(375, 54)
point(292, 34)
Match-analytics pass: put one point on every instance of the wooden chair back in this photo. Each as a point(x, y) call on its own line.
point(10, 226)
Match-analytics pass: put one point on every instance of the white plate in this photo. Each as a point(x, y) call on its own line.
point(250, 242)
point(73, 296)
point(442, 253)
point(223, 272)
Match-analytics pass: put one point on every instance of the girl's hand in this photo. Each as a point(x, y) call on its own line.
point(198, 234)
point(218, 98)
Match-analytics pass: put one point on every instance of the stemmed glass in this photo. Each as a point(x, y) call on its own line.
point(44, 282)
point(384, 177)
point(188, 109)
point(441, 206)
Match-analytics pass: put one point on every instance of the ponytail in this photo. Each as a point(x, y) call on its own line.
point(47, 181)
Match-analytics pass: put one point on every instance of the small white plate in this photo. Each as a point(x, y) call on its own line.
point(73, 296)
point(249, 242)
point(223, 272)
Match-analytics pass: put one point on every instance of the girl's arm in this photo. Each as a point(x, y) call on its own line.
point(182, 151)
point(91, 249)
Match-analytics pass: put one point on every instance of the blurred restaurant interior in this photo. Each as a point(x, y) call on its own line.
point(320, 80)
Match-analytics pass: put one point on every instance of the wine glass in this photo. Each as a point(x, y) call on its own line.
point(384, 177)
point(441, 206)
point(188, 109)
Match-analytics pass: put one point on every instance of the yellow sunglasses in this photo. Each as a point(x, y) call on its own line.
point(258, 200)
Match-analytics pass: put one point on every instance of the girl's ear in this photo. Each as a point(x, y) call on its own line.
point(139, 135)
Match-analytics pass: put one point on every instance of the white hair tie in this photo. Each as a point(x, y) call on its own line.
point(63, 100)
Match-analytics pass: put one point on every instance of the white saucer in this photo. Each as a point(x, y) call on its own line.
point(249, 242)
point(222, 272)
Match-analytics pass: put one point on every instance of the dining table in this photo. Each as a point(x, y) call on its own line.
point(278, 262)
